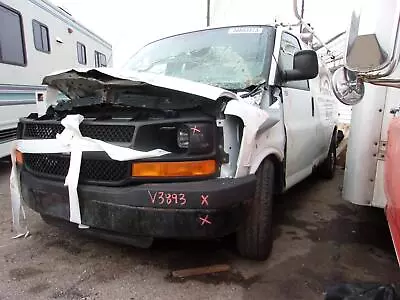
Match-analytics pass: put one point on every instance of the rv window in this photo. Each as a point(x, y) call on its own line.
point(41, 36)
point(12, 44)
point(100, 59)
point(81, 53)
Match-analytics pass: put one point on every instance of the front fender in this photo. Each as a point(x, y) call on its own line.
point(260, 136)
point(260, 156)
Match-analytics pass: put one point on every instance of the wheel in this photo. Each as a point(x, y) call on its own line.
point(254, 237)
point(328, 166)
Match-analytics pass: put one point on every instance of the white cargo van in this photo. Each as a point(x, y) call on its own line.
point(221, 120)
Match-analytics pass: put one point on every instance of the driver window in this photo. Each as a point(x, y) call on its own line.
point(289, 46)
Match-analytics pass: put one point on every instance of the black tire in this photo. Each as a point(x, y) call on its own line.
point(328, 167)
point(254, 237)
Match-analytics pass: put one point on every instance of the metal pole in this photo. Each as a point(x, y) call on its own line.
point(302, 15)
point(208, 12)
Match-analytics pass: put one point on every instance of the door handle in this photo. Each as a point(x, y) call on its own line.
point(312, 106)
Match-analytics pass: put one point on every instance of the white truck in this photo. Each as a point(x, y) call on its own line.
point(372, 73)
point(221, 118)
point(37, 38)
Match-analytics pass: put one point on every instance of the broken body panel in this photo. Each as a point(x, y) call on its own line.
point(227, 125)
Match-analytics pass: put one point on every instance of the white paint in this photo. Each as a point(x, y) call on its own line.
point(365, 133)
point(69, 141)
point(301, 132)
point(392, 101)
point(252, 117)
point(379, 198)
point(271, 140)
point(293, 179)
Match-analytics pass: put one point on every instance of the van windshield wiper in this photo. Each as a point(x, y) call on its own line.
point(253, 89)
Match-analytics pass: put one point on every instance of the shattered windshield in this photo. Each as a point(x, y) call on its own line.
point(232, 58)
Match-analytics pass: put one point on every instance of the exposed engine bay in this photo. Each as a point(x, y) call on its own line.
point(142, 118)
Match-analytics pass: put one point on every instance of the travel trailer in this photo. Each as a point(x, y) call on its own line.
point(37, 38)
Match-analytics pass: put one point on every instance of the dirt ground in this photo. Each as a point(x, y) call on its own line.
point(319, 240)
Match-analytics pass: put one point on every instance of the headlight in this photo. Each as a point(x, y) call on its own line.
point(198, 138)
point(183, 137)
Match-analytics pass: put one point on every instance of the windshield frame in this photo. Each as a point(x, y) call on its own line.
point(270, 33)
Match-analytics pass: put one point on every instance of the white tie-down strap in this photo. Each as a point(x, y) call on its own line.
point(69, 141)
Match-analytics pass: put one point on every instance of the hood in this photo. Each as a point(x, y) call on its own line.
point(82, 82)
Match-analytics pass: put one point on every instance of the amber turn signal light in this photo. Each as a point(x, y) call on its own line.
point(174, 169)
point(19, 157)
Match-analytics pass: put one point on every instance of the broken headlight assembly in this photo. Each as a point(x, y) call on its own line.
point(178, 138)
point(183, 137)
point(189, 140)
point(197, 138)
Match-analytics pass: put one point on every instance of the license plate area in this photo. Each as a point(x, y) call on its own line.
point(52, 204)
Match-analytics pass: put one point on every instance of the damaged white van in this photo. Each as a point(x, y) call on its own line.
point(220, 119)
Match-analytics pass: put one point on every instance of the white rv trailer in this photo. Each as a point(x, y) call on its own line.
point(37, 38)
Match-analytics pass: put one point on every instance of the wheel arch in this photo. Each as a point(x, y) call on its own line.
point(279, 169)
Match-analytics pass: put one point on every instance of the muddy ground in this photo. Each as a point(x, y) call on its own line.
point(319, 240)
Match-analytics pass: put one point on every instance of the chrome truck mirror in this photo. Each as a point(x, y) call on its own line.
point(347, 87)
point(373, 36)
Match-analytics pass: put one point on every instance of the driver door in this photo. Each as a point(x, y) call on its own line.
point(299, 117)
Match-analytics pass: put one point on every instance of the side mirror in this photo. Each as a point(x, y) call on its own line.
point(373, 37)
point(305, 66)
point(347, 87)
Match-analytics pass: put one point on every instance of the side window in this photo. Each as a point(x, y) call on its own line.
point(81, 48)
point(41, 36)
point(12, 44)
point(289, 46)
point(99, 59)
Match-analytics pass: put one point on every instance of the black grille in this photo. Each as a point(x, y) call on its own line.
point(108, 133)
point(42, 131)
point(91, 169)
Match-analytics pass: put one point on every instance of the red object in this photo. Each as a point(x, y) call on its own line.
point(392, 186)
point(70, 30)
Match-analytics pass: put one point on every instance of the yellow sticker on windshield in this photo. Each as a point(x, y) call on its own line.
point(236, 30)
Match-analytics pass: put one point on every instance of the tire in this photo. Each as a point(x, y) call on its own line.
point(328, 167)
point(254, 237)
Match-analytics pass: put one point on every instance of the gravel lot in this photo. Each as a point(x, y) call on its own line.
point(319, 240)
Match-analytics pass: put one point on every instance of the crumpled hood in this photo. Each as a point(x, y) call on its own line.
point(81, 82)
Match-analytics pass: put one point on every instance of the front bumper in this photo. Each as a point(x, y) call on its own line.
point(201, 209)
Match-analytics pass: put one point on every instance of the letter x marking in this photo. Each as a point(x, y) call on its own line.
point(204, 220)
point(195, 130)
point(204, 200)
